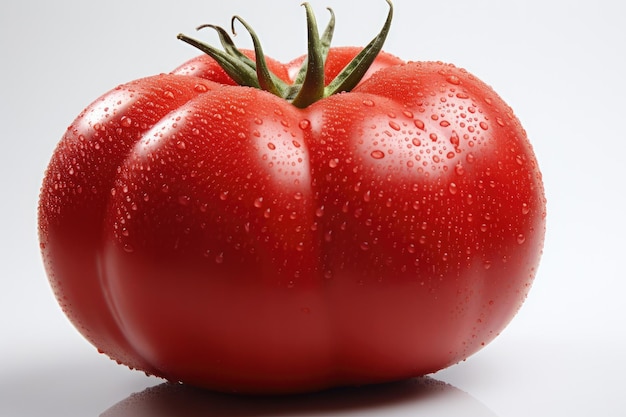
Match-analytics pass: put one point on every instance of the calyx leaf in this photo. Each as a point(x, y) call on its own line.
point(309, 85)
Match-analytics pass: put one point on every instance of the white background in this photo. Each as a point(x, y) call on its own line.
point(559, 64)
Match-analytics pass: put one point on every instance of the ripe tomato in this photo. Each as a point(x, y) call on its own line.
point(221, 236)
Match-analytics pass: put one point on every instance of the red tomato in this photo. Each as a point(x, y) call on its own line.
point(220, 236)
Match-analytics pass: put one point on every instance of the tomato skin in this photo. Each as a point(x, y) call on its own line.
point(235, 242)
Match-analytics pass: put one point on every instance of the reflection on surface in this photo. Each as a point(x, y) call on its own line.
point(420, 396)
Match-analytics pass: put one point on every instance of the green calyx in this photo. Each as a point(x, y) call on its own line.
point(310, 84)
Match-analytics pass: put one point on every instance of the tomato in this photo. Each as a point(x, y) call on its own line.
point(221, 236)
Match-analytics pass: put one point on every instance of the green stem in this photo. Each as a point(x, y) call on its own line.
point(309, 85)
point(312, 88)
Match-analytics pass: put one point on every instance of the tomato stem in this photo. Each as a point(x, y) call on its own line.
point(309, 85)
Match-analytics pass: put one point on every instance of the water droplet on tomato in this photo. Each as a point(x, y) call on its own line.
point(377, 154)
point(304, 124)
point(394, 125)
point(219, 258)
point(453, 79)
point(459, 169)
point(258, 202)
point(525, 208)
point(126, 121)
point(452, 188)
point(368, 103)
point(365, 246)
point(419, 124)
point(521, 238)
point(201, 88)
point(483, 125)
point(184, 200)
point(333, 163)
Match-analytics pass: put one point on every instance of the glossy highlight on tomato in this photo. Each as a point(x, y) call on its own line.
point(219, 235)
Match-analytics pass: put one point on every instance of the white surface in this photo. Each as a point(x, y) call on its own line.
point(559, 64)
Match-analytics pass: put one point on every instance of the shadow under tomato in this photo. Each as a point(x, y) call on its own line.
point(419, 396)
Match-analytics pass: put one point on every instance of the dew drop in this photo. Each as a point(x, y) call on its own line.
point(333, 163)
point(452, 188)
point(219, 258)
point(416, 142)
point(394, 125)
point(271, 146)
point(258, 202)
point(521, 238)
point(525, 208)
point(200, 88)
point(304, 124)
point(365, 246)
point(453, 79)
point(368, 103)
point(459, 169)
point(483, 125)
point(419, 124)
point(126, 121)
point(377, 154)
